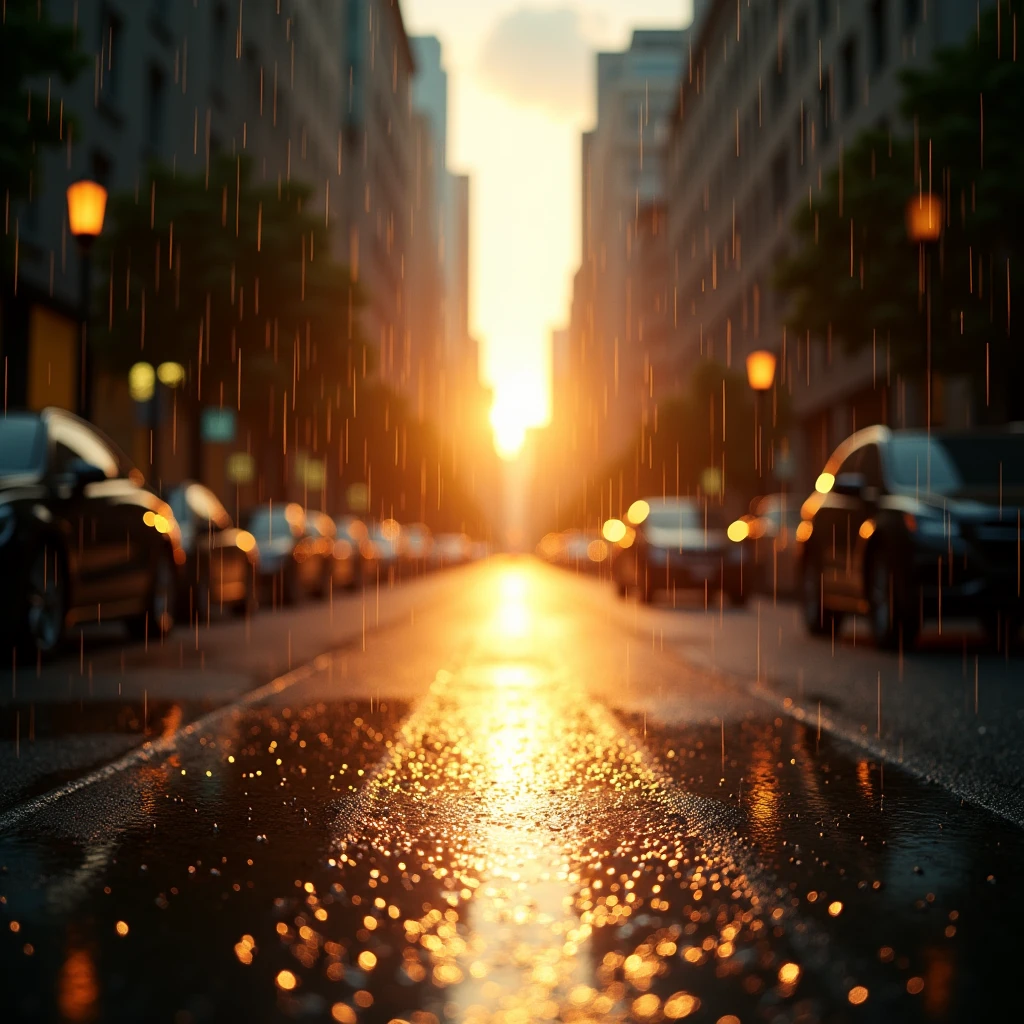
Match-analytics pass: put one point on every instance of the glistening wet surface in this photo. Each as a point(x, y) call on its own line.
point(507, 849)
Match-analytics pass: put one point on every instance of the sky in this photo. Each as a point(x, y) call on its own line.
point(520, 93)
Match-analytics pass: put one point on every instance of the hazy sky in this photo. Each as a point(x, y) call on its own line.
point(520, 92)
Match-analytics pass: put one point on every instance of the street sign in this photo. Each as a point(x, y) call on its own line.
point(218, 426)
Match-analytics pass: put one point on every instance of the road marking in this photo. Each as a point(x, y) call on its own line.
point(155, 749)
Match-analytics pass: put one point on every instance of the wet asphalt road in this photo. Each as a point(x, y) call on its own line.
point(503, 797)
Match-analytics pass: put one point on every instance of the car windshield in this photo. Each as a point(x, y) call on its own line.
point(683, 517)
point(22, 444)
point(955, 465)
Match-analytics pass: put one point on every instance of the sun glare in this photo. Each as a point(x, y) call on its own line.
point(518, 405)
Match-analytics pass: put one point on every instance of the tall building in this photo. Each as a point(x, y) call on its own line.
point(377, 171)
point(622, 176)
point(176, 83)
point(771, 92)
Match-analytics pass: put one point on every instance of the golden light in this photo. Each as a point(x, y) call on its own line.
point(171, 375)
point(87, 205)
point(141, 382)
point(789, 973)
point(761, 369)
point(240, 467)
point(638, 512)
point(804, 531)
point(597, 551)
point(628, 540)
point(390, 530)
point(519, 404)
point(738, 531)
point(824, 483)
point(867, 528)
point(245, 541)
point(613, 531)
point(286, 980)
point(924, 218)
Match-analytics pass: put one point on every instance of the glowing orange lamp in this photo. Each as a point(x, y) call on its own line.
point(924, 218)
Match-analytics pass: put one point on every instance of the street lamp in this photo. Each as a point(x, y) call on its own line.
point(87, 204)
point(761, 377)
point(924, 228)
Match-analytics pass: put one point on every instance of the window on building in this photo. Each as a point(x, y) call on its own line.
point(801, 40)
point(824, 16)
point(110, 56)
point(911, 13)
point(848, 62)
point(155, 104)
point(878, 33)
point(780, 181)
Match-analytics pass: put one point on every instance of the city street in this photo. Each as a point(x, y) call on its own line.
point(501, 793)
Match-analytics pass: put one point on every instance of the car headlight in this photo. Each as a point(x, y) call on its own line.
point(8, 521)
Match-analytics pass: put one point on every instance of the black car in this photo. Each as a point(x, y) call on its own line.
point(907, 526)
point(81, 538)
point(220, 560)
point(679, 543)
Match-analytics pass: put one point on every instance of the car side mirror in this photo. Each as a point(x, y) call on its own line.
point(78, 475)
point(850, 485)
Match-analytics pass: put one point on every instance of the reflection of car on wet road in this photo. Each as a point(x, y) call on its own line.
point(81, 537)
point(680, 544)
point(905, 526)
point(220, 560)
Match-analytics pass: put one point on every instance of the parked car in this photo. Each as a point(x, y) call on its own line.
point(335, 553)
point(416, 545)
point(81, 537)
point(220, 560)
point(291, 561)
point(450, 549)
point(906, 526)
point(771, 527)
point(353, 529)
point(681, 543)
point(385, 537)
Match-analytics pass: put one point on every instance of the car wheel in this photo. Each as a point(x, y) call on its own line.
point(893, 623)
point(46, 601)
point(818, 620)
point(158, 620)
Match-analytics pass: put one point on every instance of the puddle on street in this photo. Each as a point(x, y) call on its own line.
point(506, 850)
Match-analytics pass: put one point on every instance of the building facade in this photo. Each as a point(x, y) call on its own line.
point(771, 93)
point(622, 170)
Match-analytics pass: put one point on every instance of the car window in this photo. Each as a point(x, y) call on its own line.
point(72, 440)
point(951, 465)
point(871, 466)
point(22, 444)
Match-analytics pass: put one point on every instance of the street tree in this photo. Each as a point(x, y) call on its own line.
point(857, 277)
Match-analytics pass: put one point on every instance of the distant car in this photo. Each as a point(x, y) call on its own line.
point(415, 547)
point(451, 549)
point(681, 543)
point(336, 554)
point(290, 565)
point(772, 525)
point(81, 538)
point(220, 560)
point(905, 526)
point(385, 537)
point(353, 529)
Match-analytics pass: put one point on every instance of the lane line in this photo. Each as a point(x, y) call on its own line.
point(153, 750)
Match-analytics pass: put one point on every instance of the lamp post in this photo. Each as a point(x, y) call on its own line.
point(87, 204)
point(760, 377)
point(924, 228)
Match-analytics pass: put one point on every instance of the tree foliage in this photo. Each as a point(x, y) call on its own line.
point(710, 426)
point(857, 275)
